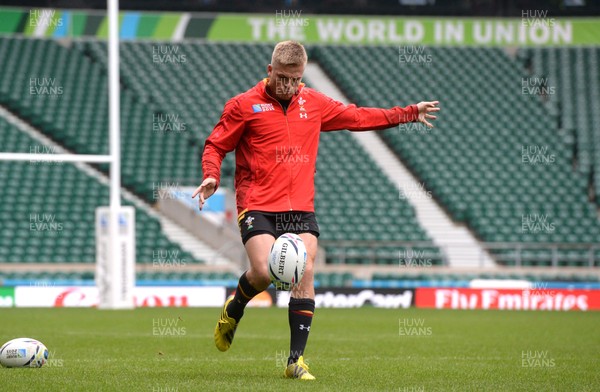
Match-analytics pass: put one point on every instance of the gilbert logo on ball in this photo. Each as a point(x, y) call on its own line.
point(287, 261)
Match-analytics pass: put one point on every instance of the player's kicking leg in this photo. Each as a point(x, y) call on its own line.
point(300, 314)
point(252, 282)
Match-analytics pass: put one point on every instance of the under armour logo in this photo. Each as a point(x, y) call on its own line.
point(302, 327)
point(303, 115)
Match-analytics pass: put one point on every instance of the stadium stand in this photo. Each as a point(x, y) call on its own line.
point(78, 119)
point(474, 163)
point(47, 210)
point(194, 91)
point(570, 80)
point(495, 161)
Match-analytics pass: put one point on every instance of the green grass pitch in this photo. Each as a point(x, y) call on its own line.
point(367, 349)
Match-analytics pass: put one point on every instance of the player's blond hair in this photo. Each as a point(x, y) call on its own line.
point(289, 53)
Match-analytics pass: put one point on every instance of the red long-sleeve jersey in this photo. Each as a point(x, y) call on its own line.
point(276, 149)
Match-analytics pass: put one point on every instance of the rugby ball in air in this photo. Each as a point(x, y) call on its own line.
point(287, 261)
point(23, 352)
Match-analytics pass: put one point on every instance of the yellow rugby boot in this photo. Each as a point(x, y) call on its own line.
point(298, 370)
point(225, 329)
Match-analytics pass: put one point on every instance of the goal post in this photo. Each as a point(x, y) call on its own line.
point(115, 240)
point(115, 276)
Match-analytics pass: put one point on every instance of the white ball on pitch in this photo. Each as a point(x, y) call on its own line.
point(23, 352)
point(287, 261)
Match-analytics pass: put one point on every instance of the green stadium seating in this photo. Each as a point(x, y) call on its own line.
point(475, 162)
point(195, 91)
point(573, 97)
point(47, 210)
point(78, 116)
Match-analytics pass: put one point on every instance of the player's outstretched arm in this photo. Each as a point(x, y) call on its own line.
point(336, 116)
point(425, 108)
point(205, 190)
